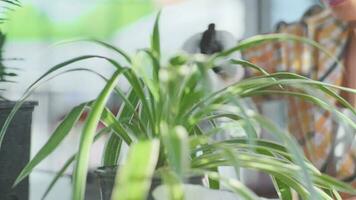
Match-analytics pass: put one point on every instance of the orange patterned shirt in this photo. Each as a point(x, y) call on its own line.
point(314, 128)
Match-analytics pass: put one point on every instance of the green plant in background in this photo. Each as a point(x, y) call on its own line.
point(162, 117)
point(114, 16)
point(4, 74)
point(6, 5)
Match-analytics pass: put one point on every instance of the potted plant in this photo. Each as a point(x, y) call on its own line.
point(161, 120)
point(15, 147)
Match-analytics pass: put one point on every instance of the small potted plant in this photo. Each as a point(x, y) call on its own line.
point(161, 120)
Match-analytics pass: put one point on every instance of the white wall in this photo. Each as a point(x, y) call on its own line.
point(180, 21)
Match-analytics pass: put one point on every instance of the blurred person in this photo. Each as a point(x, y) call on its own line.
point(329, 146)
point(334, 28)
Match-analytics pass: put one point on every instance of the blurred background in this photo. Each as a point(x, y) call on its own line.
point(39, 31)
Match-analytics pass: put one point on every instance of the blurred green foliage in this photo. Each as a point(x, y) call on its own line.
point(30, 22)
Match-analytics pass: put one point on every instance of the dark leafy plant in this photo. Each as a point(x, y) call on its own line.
point(7, 5)
point(161, 120)
point(5, 74)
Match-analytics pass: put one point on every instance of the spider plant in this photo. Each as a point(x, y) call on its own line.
point(162, 117)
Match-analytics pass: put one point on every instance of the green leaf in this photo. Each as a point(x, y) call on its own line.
point(177, 147)
point(332, 183)
point(287, 172)
point(139, 89)
point(133, 180)
point(87, 137)
point(293, 184)
point(324, 195)
point(12, 2)
point(245, 63)
point(59, 175)
point(283, 190)
point(68, 163)
point(128, 108)
point(101, 43)
point(174, 185)
point(155, 41)
point(235, 186)
point(325, 87)
point(336, 195)
point(37, 83)
point(295, 151)
point(148, 76)
point(54, 141)
point(117, 50)
point(317, 101)
point(109, 120)
point(214, 184)
point(112, 150)
point(248, 126)
point(155, 64)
